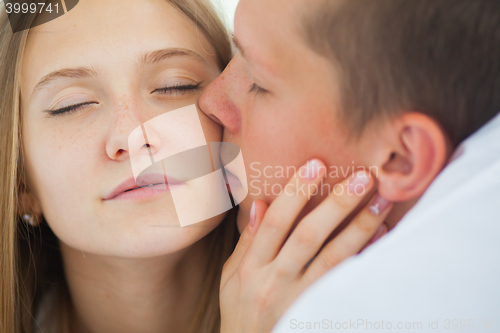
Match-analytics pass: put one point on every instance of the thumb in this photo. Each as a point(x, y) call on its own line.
point(257, 212)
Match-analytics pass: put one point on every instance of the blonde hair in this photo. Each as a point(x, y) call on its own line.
point(28, 264)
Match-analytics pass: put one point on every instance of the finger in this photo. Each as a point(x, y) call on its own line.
point(352, 239)
point(314, 229)
point(382, 230)
point(257, 212)
point(283, 211)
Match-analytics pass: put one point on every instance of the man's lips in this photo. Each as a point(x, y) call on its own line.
point(231, 177)
point(143, 181)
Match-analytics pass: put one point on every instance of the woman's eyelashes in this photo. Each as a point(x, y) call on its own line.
point(69, 109)
point(179, 89)
point(174, 90)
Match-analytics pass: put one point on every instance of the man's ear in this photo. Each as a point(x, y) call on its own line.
point(417, 152)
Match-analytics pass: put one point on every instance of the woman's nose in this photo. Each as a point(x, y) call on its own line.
point(123, 135)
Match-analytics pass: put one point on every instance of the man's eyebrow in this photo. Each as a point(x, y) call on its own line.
point(253, 61)
point(154, 57)
point(238, 46)
point(75, 73)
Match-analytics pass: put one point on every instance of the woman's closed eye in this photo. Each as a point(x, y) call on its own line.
point(179, 89)
point(168, 90)
point(70, 109)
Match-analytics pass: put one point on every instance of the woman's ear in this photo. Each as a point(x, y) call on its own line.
point(417, 153)
point(27, 204)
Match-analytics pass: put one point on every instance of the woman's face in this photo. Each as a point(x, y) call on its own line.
point(112, 58)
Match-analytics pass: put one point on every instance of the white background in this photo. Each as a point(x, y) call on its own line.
point(226, 9)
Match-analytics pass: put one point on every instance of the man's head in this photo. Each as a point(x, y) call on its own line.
point(391, 85)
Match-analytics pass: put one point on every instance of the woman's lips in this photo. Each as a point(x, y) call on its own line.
point(147, 186)
point(142, 192)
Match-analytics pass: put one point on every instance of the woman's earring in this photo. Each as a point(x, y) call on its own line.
point(31, 220)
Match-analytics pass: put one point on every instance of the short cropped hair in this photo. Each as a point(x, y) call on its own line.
point(437, 57)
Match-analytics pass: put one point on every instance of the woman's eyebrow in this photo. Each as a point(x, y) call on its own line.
point(148, 58)
point(75, 73)
point(156, 56)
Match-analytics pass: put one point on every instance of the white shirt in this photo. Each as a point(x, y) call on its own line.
point(438, 269)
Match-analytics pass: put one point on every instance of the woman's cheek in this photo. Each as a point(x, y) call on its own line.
point(56, 166)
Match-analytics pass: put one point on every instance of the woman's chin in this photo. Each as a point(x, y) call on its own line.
point(143, 236)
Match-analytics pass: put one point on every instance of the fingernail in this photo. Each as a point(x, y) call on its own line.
point(252, 215)
point(379, 205)
point(311, 170)
point(358, 183)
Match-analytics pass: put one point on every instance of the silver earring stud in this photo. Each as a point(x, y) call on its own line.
point(30, 219)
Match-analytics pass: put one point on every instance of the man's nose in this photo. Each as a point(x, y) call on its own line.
point(224, 99)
